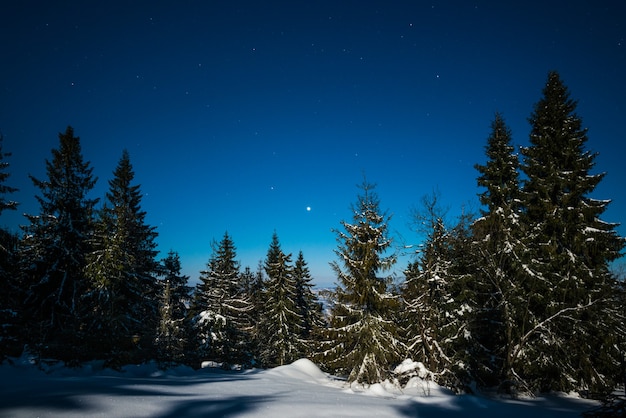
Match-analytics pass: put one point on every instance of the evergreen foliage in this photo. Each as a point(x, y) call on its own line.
point(10, 293)
point(123, 293)
point(438, 300)
point(281, 322)
point(174, 329)
point(567, 271)
point(521, 298)
point(307, 303)
point(222, 308)
point(255, 283)
point(54, 249)
point(363, 338)
point(499, 251)
point(5, 189)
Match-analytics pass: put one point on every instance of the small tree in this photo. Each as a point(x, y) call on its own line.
point(172, 335)
point(222, 308)
point(281, 319)
point(438, 299)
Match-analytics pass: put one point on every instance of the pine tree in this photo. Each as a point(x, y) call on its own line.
point(499, 251)
point(122, 270)
point(54, 249)
point(363, 338)
point(307, 303)
point(281, 321)
point(568, 277)
point(173, 332)
point(222, 308)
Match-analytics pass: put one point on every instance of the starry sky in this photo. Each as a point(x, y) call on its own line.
point(253, 117)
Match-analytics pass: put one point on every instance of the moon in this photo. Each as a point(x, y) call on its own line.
point(308, 208)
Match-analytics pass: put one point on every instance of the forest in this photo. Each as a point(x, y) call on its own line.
point(521, 298)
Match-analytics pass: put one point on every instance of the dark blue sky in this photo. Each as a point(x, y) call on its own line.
point(238, 115)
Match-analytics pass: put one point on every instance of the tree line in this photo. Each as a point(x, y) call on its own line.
point(521, 297)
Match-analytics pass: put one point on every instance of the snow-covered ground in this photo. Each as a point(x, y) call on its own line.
point(296, 390)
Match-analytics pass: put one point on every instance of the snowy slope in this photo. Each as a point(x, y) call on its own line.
point(296, 390)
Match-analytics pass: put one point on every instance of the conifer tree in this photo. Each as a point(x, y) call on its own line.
point(10, 294)
point(363, 338)
point(222, 307)
point(5, 189)
point(309, 307)
point(122, 271)
point(499, 251)
point(173, 332)
point(567, 271)
point(255, 284)
point(281, 320)
point(438, 299)
point(54, 249)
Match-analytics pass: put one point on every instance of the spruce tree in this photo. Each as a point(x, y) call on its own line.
point(54, 250)
point(255, 284)
point(363, 338)
point(307, 303)
point(438, 298)
point(281, 321)
point(567, 271)
point(172, 335)
point(499, 250)
point(222, 308)
point(123, 273)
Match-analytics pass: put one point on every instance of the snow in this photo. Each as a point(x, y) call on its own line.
point(300, 389)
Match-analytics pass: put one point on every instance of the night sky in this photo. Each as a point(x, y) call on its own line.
point(253, 117)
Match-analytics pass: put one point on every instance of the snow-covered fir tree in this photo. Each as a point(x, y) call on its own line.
point(254, 283)
point(362, 340)
point(307, 303)
point(173, 332)
point(222, 308)
point(281, 322)
point(438, 300)
point(567, 272)
point(122, 270)
point(53, 252)
point(499, 252)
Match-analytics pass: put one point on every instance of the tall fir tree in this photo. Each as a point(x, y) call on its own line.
point(123, 273)
point(362, 341)
point(54, 249)
point(222, 308)
point(281, 321)
point(568, 276)
point(10, 294)
point(499, 251)
point(172, 336)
